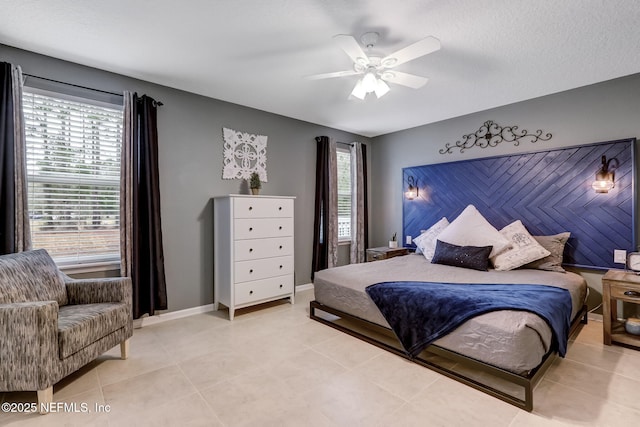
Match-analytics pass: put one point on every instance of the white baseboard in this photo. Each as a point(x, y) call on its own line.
point(164, 317)
point(173, 315)
point(305, 287)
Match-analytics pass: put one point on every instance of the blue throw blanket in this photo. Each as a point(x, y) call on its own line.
point(420, 312)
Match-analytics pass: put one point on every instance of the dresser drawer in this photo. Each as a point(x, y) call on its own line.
point(262, 268)
point(257, 290)
point(263, 248)
point(249, 228)
point(253, 207)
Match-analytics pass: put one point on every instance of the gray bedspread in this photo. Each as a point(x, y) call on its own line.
point(512, 340)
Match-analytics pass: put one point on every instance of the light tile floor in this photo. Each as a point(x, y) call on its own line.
point(274, 366)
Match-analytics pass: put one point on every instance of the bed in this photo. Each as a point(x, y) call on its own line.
point(524, 338)
point(512, 346)
point(503, 353)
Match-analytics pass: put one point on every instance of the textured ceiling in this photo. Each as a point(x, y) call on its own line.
point(256, 53)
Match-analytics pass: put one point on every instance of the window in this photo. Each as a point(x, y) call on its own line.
point(73, 174)
point(344, 193)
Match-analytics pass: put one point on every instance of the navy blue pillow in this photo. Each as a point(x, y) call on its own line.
point(474, 257)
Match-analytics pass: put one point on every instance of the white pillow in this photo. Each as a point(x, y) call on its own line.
point(426, 242)
point(525, 248)
point(470, 228)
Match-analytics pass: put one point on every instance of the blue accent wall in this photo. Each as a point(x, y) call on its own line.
point(549, 191)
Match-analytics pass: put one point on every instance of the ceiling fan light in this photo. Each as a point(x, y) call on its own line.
point(359, 91)
point(369, 82)
point(381, 88)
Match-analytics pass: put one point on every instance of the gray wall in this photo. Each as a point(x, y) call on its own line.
point(190, 132)
point(601, 112)
point(190, 157)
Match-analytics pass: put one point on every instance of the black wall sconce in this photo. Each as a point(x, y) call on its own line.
point(605, 177)
point(412, 189)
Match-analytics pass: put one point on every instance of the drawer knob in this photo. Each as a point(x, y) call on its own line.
point(250, 208)
point(250, 228)
point(280, 247)
point(279, 208)
point(250, 249)
point(281, 267)
point(280, 228)
point(250, 292)
point(633, 294)
point(280, 286)
point(251, 271)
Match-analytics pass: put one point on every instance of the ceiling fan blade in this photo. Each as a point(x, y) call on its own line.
point(352, 48)
point(404, 79)
point(413, 51)
point(332, 75)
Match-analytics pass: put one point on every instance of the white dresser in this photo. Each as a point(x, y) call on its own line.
point(253, 250)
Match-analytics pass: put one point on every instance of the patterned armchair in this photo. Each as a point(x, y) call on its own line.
point(52, 325)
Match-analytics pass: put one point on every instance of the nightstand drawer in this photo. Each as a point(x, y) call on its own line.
point(377, 254)
point(625, 293)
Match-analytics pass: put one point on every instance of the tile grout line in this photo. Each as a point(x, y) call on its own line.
point(199, 393)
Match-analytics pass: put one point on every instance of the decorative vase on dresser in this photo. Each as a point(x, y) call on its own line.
point(253, 250)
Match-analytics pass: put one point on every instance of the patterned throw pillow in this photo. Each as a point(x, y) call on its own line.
point(474, 257)
point(524, 248)
point(426, 242)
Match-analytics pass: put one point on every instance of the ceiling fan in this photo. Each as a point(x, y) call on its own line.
point(376, 69)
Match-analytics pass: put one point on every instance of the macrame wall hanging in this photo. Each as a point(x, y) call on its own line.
point(244, 153)
point(490, 134)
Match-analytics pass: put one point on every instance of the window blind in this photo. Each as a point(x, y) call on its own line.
point(344, 193)
point(73, 174)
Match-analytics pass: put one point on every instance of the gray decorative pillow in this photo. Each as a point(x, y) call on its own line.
point(474, 257)
point(554, 244)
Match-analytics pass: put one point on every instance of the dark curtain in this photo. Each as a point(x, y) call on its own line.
point(321, 216)
point(147, 263)
point(7, 164)
point(366, 196)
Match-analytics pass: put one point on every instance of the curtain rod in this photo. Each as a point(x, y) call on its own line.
point(159, 103)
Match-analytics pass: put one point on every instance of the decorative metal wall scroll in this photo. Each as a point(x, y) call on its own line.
point(491, 134)
point(244, 153)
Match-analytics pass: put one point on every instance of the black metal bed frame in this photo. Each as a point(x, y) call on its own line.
point(528, 381)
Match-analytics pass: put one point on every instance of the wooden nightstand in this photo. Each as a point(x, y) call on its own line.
point(384, 252)
point(624, 286)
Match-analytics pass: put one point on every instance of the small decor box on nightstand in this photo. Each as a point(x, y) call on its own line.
point(624, 286)
point(384, 252)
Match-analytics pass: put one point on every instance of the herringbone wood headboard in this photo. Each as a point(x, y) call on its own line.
point(550, 191)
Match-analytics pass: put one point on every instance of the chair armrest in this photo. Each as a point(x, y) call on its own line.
point(92, 291)
point(28, 340)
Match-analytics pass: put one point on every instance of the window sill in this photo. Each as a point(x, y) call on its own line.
point(90, 267)
point(344, 242)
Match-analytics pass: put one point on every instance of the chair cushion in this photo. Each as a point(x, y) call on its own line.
point(83, 324)
point(31, 276)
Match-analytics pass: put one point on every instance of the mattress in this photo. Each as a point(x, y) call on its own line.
point(509, 339)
